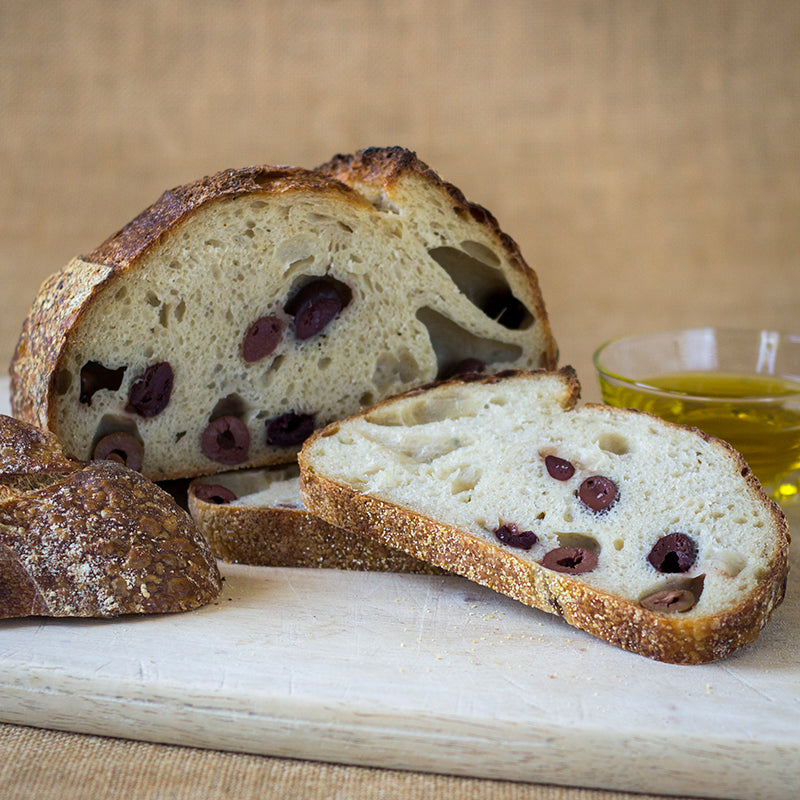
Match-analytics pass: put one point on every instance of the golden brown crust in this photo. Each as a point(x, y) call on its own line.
point(27, 450)
point(93, 539)
point(383, 167)
point(291, 537)
point(668, 638)
point(177, 204)
point(61, 301)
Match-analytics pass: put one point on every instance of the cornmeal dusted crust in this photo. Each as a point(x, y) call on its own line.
point(92, 540)
point(675, 638)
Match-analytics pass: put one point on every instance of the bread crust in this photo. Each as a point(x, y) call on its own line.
point(96, 540)
point(672, 638)
point(292, 537)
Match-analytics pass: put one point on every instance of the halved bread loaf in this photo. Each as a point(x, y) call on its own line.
point(258, 517)
point(91, 540)
point(652, 536)
point(238, 313)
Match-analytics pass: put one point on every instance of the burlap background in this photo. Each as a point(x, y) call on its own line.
point(644, 153)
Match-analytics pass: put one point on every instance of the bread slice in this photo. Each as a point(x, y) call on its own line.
point(258, 517)
point(91, 540)
point(240, 312)
point(652, 536)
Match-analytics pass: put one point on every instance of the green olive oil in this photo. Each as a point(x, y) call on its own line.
point(758, 415)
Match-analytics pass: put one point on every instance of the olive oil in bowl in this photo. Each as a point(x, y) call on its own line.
point(741, 385)
point(758, 414)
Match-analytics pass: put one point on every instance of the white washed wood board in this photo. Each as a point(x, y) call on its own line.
point(429, 673)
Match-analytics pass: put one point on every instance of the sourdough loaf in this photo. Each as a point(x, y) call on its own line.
point(258, 517)
point(652, 536)
point(91, 539)
point(240, 312)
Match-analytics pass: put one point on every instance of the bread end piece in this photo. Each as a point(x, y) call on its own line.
point(93, 540)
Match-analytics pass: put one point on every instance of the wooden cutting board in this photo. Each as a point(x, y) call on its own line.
point(417, 672)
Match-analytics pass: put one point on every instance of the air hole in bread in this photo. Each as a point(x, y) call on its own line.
point(483, 285)
point(424, 410)
point(730, 562)
point(425, 449)
point(393, 367)
point(618, 544)
point(213, 243)
point(96, 377)
point(574, 539)
point(614, 443)
point(63, 381)
point(452, 344)
point(297, 251)
point(266, 177)
point(233, 405)
point(465, 480)
point(481, 252)
point(179, 312)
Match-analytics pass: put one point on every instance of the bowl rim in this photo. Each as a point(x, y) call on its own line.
point(651, 389)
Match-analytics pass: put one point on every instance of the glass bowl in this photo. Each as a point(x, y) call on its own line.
point(742, 386)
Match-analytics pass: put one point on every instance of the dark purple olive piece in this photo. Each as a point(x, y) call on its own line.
point(598, 493)
point(94, 377)
point(226, 440)
point(121, 447)
point(213, 493)
point(559, 468)
point(670, 601)
point(315, 306)
point(289, 429)
point(261, 339)
point(571, 560)
point(675, 552)
point(511, 535)
point(150, 392)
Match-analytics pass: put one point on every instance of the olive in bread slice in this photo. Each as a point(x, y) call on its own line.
point(92, 539)
point(240, 312)
point(258, 517)
point(649, 535)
